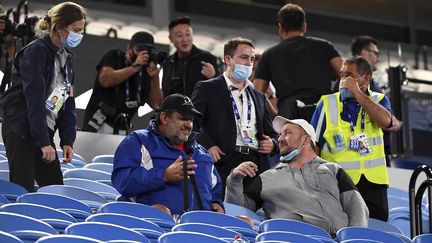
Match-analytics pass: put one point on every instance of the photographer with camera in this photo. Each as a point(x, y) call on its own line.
point(124, 82)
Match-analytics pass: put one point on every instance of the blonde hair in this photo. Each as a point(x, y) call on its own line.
point(62, 14)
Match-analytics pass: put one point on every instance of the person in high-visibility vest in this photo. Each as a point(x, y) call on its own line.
point(349, 126)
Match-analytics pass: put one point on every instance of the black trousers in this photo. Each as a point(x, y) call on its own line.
point(25, 161)
point(375, 196)
point(232, 159)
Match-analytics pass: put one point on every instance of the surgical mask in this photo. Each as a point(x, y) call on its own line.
point(73, 40)
point(344, 93)
point(241, 72)
point(292, 154)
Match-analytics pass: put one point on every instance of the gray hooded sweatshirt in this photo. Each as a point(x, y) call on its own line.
point(320, 193)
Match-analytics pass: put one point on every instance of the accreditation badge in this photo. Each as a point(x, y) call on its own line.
point(249, 136)
point(360, 143)
point(55, 100)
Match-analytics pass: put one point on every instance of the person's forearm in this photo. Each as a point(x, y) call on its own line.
point(155, 96)
point(110, 78)
point(380, 115)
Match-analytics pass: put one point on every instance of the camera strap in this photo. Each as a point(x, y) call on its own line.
point(186, 189)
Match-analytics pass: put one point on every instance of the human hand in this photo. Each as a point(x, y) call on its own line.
point(48, 153)
point(217, 208)
point(266, 145)
point(247, 168)
point(141, 59)
point(216, 153)
point(67, 153)
point(153, 71)
point(207, 69)
point(174, 172)
point(351, 85)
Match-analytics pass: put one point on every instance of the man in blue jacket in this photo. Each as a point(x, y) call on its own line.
point(148, 164)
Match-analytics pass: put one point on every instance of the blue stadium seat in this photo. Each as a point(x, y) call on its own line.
point(400, 217)
point(106, 191)
point(105, 232)
point(147, 228)
point(4, 164)
point(367, 233)
point(3, 200)
point(11, 190)
point(424, 238)
point(88, 174)
point(103, 158)
point(154, 215)
point(223, 220)
point(4, 175)
point(209, 229)
point(9, 238)
point(293, 226)
point(26, 228)
point(91, 199)
point(75, 208)
point(235, 210)
point(383, 226)
point(105, 167)
point(360, 241)
point(286, 236)
point(396, 192)
point(57, 219)
point(188, 237)
point(67, 239)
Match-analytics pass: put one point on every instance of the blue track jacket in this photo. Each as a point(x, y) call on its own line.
point(139, 165)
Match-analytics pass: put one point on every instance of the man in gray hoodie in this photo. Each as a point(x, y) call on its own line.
point(302, 186)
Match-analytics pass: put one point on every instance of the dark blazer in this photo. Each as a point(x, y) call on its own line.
point(218, 127)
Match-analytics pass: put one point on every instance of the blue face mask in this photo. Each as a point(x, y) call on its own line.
point(241, 72)
point(292, 154)
point(73, 39)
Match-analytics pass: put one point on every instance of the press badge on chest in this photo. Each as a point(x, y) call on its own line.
point(248, 136)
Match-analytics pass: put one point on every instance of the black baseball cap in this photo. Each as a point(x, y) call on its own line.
point(179, 103)
point(142, 40)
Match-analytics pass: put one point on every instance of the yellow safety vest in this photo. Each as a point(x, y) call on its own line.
point(372, 165)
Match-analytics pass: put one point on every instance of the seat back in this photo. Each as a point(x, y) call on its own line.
point(16, 223)
point(366, 233)
point(209, 229)
point(77, 209)
point(135, 209)
point(85, 173)
point(108, 192)
point(11, 190)
point(423, 238)
point(105, 167)
point(103, 158)
point(383, 226)
point(292, 226)
point(4, 164)
point(285, 236)
point(209, 217)
point(93, 200)
point(105, 232)
point(188, 237)
point(67, 239)
point(9, 238)
point(125, 221)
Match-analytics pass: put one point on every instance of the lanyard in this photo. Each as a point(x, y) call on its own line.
point(139, 86)
point(236, 111)
point(361, 121)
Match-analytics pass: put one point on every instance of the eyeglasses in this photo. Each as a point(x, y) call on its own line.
point(374, 52)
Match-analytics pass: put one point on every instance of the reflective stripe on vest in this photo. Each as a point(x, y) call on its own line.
point(368, 164)
point(372, 142)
